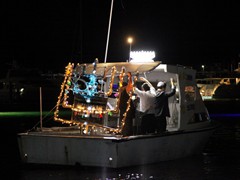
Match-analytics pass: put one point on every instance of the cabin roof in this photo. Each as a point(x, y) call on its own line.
point(129, 67)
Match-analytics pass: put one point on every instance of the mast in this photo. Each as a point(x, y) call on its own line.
point(41, 108)
point(109, 27)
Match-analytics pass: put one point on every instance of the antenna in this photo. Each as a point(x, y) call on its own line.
point(109, 27)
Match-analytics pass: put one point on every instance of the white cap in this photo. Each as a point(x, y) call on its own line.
point(161, 84)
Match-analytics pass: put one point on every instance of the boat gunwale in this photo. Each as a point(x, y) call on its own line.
point(120, 138)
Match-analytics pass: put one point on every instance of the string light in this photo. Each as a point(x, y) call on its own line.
point(113, 71)
point(77, 82)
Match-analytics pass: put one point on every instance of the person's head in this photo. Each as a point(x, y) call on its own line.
point(145, 87)
point(161, 85)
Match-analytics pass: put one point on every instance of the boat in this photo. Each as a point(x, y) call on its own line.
point(219, 93)
point(91, 134)
point(219, 88)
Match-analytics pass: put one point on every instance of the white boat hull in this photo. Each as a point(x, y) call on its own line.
point(114, 152)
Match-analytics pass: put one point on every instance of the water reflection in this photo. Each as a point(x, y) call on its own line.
point(198, 167)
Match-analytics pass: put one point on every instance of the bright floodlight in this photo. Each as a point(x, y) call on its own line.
point(142, 56)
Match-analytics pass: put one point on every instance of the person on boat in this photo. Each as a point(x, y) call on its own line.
point(128, 114)
point(161, 105)
point(145, 107)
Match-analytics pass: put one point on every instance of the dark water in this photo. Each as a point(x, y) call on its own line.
point(219, 160)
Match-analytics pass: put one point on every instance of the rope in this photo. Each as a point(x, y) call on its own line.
point(43, 118)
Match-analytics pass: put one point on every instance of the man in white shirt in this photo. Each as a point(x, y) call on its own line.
point(146, 106)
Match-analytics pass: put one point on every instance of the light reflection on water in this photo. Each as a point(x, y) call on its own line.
point(191, 168)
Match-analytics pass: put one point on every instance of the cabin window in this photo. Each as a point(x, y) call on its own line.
point(189, 93)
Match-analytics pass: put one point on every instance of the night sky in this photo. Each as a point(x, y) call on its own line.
point(49, 34)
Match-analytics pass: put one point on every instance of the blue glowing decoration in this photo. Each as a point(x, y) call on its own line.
point(84, 85)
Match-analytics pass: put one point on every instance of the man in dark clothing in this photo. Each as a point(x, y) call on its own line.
point(161, 105)
point(127, 129)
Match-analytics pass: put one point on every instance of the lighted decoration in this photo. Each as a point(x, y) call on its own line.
point(142, 56)
point(82, 83)
point(85, 85)
point(122, 74)
point(130, 93)
point(78, 82)
point(125, 114)
point(113, 71)
point(64, 90)
point(66, 86)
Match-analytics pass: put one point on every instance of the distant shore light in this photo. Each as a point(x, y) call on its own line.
point(142, 56)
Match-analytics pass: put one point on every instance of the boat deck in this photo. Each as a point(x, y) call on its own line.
point(75, 132)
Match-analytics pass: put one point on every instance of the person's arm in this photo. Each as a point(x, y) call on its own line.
point(173, 89)
point(152, 89)
point(172, 83)
point(146, 81)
